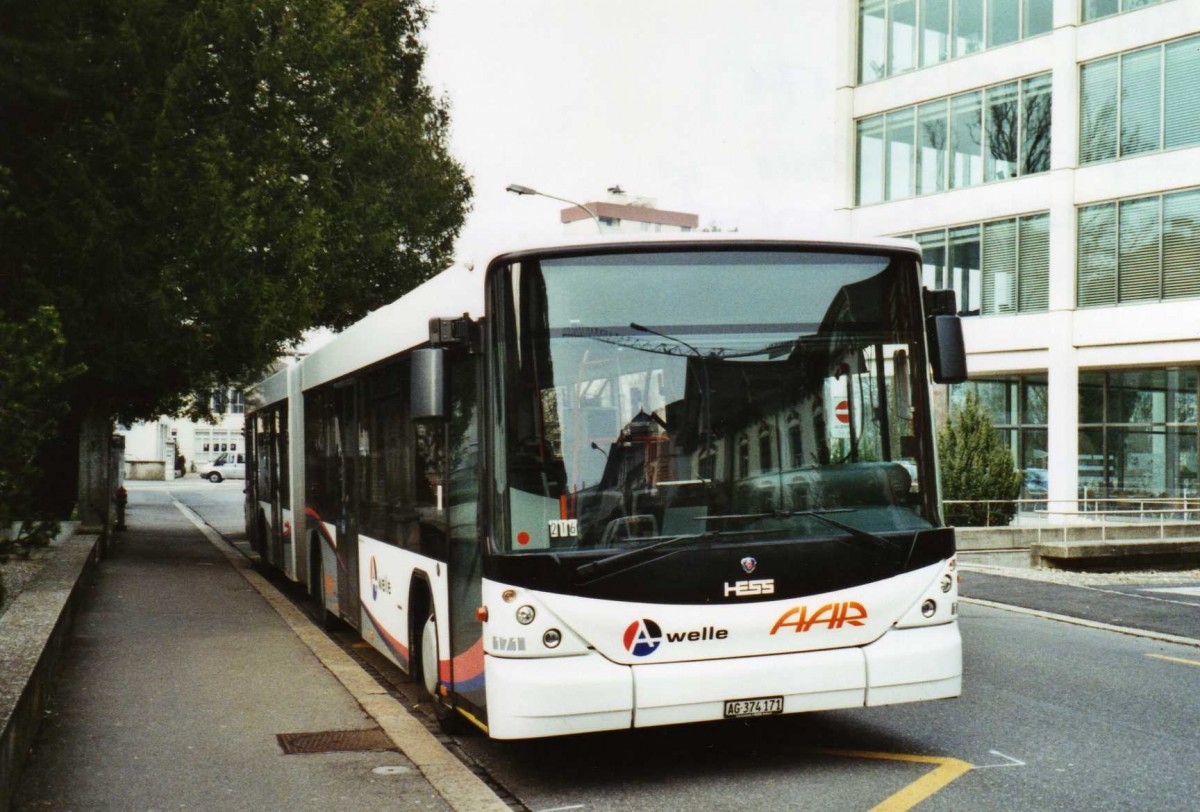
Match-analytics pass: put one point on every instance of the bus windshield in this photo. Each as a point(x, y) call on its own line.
point(740, 394)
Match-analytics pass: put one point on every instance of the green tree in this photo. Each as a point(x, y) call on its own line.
point(976, 466)
point(31, 403)
point(191, 184)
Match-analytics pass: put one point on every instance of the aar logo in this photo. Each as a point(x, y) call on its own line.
point(643, 637)
point(831, 616)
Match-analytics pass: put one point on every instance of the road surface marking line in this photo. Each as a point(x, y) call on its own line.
point(1012, 762)
point(462, 790)
point(948, 769)
point(1091, 624)
point(1174, 659)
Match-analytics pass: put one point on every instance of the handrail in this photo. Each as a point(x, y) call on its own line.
point(1185, 505)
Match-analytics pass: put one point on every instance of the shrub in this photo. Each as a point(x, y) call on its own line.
point(976, 466)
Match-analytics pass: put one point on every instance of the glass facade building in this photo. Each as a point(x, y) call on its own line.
point(1090, 249)
point(897, 36)
point(996, 133)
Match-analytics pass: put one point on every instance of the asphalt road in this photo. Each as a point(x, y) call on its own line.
point(1053, 716)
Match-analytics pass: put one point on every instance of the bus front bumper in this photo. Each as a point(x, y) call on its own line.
point(529, 698)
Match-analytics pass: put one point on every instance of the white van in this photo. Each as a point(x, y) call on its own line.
point(226, 466)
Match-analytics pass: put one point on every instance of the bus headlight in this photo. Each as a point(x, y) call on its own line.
point(551, 638)
point(525, 615)
point(929, 608)
point(947, 582)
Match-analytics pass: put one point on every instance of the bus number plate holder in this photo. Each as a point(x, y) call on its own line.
point(758, 706)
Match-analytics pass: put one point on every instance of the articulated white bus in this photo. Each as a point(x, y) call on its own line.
point(617, 484)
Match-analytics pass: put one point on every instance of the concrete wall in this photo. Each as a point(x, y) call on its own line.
point(33, 633)
point(145, 469)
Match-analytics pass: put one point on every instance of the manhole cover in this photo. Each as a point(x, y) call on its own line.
point(335, 741)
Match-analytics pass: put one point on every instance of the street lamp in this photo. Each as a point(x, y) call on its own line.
point(518, 189)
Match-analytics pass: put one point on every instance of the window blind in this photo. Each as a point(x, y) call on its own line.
point(1182, 93)
point(1141, 101)
point(1033, 263)
point(1181, 245)
point(1098, 111)
point(999, 267)
point(1137, 250)
point(1097, 256)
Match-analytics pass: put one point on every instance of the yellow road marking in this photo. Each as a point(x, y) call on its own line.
point(948, 769)
point(1174, 659)
point(473, 720)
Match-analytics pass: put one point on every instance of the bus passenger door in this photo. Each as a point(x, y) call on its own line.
point(465, 555)
point(347, 521)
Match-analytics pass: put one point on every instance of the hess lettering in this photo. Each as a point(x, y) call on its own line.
point(764, 586)
point(831, 615)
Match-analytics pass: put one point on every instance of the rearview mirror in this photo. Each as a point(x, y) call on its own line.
point(427, 394)
point(947, 352)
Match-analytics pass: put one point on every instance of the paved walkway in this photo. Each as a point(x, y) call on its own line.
point(177, 678)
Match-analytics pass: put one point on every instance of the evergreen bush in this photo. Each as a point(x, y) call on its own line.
point(976, 466)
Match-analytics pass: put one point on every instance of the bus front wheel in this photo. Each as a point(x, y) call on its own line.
point(446, 717)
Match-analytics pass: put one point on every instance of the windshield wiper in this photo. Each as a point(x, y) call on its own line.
point(598, 568)
point(819, 515)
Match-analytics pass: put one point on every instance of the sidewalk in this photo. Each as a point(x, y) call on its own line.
point(179, 674)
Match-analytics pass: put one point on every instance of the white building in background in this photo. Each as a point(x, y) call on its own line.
point(1046, 154)
point(619, 213)
point(151, 447)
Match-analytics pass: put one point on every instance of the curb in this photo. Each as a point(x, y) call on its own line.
point(33, 634)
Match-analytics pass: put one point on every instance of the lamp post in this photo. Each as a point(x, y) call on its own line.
point(518, 189)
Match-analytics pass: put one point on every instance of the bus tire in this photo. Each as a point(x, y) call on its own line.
point(325, 619)
point(447, 719)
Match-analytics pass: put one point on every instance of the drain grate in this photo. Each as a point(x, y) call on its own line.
point(335, 741)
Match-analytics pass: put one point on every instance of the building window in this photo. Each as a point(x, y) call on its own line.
point(995, 268)
point(743, 457)
point(1142, 250)
point(1138, 435)
point(1141, 101)
point(766, 461)
point(1098, 9)
point(896, 36)
point(997, 133)
point(237, 401)
point(1019, 411)
point(208, 444)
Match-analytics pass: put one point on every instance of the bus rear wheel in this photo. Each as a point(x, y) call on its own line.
point(447, 719)
point(328, 621)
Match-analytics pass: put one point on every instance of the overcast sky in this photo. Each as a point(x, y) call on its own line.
point(717, 108)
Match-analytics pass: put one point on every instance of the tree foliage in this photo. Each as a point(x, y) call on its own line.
point(976, 466)
point(191, 184)
point(31, 403)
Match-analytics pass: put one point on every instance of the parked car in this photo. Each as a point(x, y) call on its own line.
point(226, 466)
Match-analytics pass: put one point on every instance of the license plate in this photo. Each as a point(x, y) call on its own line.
point(759, 706)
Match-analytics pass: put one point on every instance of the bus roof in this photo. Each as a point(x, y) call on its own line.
point(824, 241)
point(404, 323)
